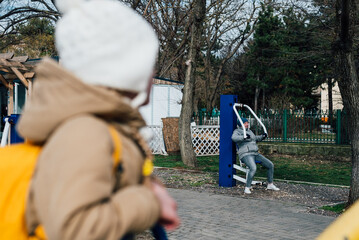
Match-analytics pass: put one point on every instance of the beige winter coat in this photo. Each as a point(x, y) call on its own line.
point(74, 192)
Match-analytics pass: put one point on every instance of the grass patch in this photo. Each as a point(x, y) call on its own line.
point(298, 168)
point(339, 208)
point(207, 164)
point(295, 168)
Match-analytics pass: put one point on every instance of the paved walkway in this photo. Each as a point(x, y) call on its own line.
point(209, 216)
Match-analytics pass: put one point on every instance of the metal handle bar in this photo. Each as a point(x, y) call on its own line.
point(5, 133)
point(253, 113)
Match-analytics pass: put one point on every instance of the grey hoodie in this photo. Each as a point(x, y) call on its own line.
point(246, 146)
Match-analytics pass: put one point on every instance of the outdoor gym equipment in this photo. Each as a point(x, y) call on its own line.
point(253, 113)
point(241, 167)
point(9, 129)
point(227, 148)
point(5, 133)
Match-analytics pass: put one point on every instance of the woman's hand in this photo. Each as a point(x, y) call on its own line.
point(168, 216)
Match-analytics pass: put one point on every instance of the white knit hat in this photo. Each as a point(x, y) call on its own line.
point(104, 42)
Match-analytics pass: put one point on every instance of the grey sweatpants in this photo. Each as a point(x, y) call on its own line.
point(250, 162)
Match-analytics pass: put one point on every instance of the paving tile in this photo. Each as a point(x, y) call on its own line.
point(210, 216)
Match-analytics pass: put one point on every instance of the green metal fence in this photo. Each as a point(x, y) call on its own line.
point(204, 117)
point(302, 127)
point(292, 126)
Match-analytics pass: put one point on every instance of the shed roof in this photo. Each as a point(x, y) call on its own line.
point(166, 81)
point(18, 67)
point(12, 68)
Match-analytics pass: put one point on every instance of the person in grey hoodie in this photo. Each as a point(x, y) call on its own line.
point(247, 151)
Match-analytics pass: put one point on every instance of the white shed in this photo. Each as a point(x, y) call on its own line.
point(165, 101)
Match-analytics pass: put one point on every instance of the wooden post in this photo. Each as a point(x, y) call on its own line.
point(29, 89)
point(3, 80)
point(29, 77)
point(20, 76)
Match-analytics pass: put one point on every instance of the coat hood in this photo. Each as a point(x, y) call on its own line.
point(58, 95)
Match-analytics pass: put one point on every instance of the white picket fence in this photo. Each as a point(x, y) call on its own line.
point(205, 140)
point(157, 143)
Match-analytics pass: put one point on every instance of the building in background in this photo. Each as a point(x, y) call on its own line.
point(16, 77)
point(324, 97)
point(165, 101)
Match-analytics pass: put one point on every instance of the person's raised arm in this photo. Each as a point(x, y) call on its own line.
point(260, 138)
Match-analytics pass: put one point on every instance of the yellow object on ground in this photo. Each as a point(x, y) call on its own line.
point(345, 227)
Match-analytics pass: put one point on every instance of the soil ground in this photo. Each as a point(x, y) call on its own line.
point(312, 196)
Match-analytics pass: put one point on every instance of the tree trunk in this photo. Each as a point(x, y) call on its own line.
point(195, 105)
point(348, 83)
point(207, 81)
point(349, 88)
point(185, 137)
point(263, 99)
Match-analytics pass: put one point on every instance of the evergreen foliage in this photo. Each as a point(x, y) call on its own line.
point(287, 60)
point(34, 38)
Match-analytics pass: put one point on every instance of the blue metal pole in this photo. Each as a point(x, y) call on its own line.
point(14, 136)
point(227, 149)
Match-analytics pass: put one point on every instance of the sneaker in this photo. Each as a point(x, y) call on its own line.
point(247, 190)
point(271, 186)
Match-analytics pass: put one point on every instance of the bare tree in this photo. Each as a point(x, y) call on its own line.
point(15, 12)
point(198, 15)
point(171, 21)
point(347, 19)
point(18, 12)
point(229, 24)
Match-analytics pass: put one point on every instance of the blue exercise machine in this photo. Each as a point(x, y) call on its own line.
point(227, 149)
point(10, 130)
